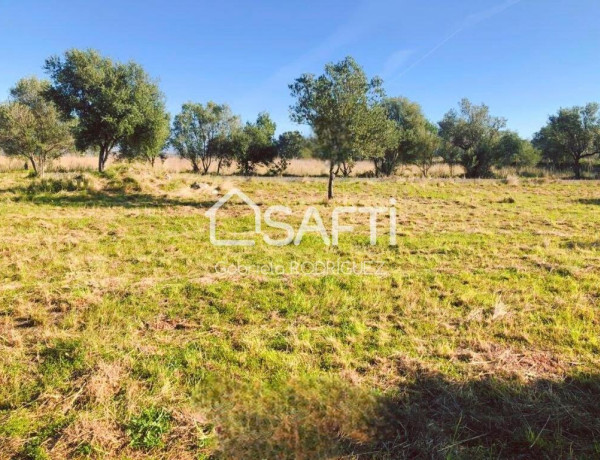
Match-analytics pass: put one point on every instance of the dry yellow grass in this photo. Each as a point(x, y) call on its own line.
point(173, 164)
point(120, 339)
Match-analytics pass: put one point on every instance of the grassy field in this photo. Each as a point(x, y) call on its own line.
point(479, 339)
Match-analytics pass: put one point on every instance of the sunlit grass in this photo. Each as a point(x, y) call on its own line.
point(481, 338)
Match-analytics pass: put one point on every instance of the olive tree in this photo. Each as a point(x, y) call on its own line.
point(289, 145)
point(150, 140)
point(474, 132)
point(574, 132)
point(197, 131)
point(511, 150)
point(115, 104)
point(222, 148)
point(415, 140)
point(344, 110)
point(31, 126)
point(255, 144)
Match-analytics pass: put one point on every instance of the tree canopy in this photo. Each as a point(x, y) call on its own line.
point(289, 145)
point(474, 132)
point(415, 140)
point(255, 144)
point(343, 107)
point(572, 132)
point(511, 150)
point(31, 127)
point(196, 130)
point(116, 105)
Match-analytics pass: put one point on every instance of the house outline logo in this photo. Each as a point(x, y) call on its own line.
point(212, 214)
point(311, 222)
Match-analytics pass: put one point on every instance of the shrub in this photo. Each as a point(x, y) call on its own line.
point(56, 185)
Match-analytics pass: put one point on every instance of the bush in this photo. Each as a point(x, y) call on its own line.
point(56, 185)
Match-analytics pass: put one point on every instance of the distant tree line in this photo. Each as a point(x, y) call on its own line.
point(94, 104)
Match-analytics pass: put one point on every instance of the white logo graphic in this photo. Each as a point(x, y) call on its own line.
point(311, 222)
point(212, 213)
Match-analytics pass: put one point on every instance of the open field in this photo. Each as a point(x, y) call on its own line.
point(479, 339)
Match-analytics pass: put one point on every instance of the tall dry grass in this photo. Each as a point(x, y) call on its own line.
point(299, 167)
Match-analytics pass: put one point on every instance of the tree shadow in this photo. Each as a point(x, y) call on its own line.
point(433, 417)
point(593, 201)
point(101, 199)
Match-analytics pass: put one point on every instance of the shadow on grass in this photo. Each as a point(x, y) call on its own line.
point(594, 201)
point(430, 417)
point(487, 418)
point(102, 199)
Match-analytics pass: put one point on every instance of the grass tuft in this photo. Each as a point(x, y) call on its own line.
point(147, 429)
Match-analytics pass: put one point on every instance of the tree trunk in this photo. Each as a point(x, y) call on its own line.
point(206, 162)
point(42, 168)
point(577, 168)
point(34, 166)
point(330, 184)
point(376, 164)
point(102, 159)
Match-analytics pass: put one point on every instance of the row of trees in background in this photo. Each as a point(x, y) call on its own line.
point(210, 134)
point(93, 103)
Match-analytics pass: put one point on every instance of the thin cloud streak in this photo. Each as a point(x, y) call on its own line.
point(365, 17)
point(395, 61)
point(469, 21)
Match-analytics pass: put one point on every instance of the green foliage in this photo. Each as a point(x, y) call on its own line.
point(450, 154)
point(223, 147)
point(32, 450)
point(146, 430)
point(474, 132)
point(255, 144)
point(85, 449)
point(149, 140)
point(415, 139)
point(200, 133)
point(344, 110)
point(30, 125)
point(511, 150)
point(571, 135)
point(116, 105)
point(289, 145)
point(310, 148)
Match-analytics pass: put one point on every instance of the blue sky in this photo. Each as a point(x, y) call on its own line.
point(524, 59)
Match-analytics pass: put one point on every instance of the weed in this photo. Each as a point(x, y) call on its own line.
point(147, 429)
